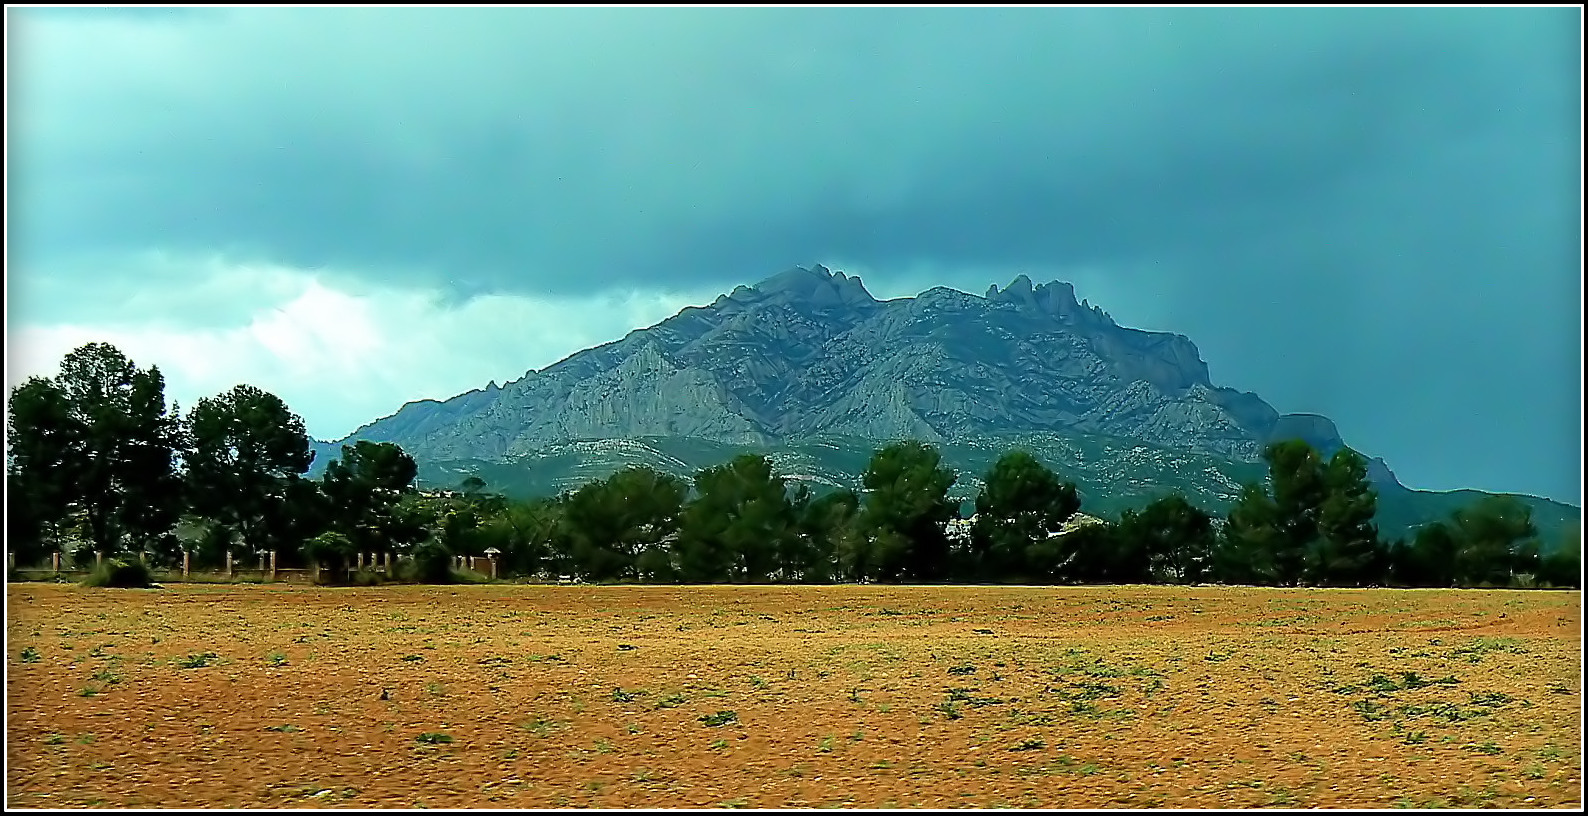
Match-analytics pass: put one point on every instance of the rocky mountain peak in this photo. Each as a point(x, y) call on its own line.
point(818, 286)
point(1055, 298)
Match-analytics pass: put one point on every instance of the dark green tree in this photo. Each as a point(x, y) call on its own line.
point(363, 491)
point(40, 463)
point(118, 464)
point(1348, 551)
point(1488, 534)
point(1246, 552)
point(1300, 490)
point(332, 551)
point(1562, 566)
point(1430, 560)
point(525, 533)
point(1021, 505)
point(1170, 540)
point(609, 525)
point(739, 526)
point(829, 524)
point(906, 507)
point(247, 451)
point(1091, 554)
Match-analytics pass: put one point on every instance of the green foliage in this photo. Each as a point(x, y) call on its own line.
point(1251, 539)
point(830, 526)
point(40, 487)
point(1168, 542)
point(1430, 560)
point(1562, 568)
point(330, 549)
point(365, 487)
point(1091, 554)
point(1300, 489)
point(607, 525)
point(1021, 505)
point(429, 563)
point(906, 506)
point(1489, 534)
point(1317, 526)
point(95, 448)
point(120, 573)
point(741, 525)
point(198, 660)
point(1348, 551)
point(246, 448)
point(719, 718)
point(524, 533)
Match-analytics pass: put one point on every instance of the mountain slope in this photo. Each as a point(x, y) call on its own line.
point(809, 354)
point(808, 358)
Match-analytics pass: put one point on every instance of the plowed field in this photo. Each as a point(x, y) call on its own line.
point(853, 696)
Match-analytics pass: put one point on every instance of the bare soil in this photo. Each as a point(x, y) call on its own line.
point(218, 696)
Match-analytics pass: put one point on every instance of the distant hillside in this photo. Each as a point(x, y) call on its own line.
point(808, 367)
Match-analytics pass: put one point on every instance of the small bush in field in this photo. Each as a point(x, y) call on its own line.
point(431, 563)
point(120, 574)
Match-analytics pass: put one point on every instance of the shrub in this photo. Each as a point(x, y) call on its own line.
point(329, 550)
point(368, 577)
point(431, 563)
point(122, 574)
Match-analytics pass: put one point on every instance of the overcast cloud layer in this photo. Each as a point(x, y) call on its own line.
point(1370, 214)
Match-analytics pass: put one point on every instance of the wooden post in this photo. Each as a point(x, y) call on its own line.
point(186, 562)
point(98, 557)
point(272, 565)
point(261, 562)
point(228, 564)
point(493, 568)
point(55, 561)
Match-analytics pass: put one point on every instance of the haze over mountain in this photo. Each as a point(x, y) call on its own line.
point(809, 359)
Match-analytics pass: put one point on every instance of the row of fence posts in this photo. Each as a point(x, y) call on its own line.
point(267, 562)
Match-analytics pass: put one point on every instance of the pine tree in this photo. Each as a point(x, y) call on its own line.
point(1020, 505)
point(1348, 552)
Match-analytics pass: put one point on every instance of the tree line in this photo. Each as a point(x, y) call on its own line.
point(96, 461)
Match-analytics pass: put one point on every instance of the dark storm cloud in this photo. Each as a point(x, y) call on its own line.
point(1359, 212)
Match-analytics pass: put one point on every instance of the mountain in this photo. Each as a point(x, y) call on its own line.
point(808, 367)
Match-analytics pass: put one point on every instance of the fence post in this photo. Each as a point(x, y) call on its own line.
point(228, 564)
point(272, 565)
point(98, 557)
point(55, 561)
point(185, 563)
point(493, 568)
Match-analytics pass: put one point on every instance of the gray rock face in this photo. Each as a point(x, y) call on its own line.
point(810, 354)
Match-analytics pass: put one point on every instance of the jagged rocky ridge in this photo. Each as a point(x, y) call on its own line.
point(809, 354)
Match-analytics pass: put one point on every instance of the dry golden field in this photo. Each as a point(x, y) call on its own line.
point(847, 696)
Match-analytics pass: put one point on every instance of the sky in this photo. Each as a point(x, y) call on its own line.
point(1372, 214)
